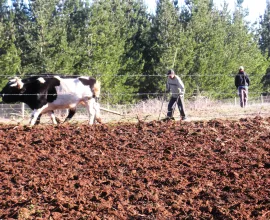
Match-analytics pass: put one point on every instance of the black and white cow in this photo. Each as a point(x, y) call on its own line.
point(44, 94)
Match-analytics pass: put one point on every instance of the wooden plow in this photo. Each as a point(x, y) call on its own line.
point(113, 112)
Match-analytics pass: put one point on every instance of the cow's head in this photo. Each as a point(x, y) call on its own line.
point(12, 90)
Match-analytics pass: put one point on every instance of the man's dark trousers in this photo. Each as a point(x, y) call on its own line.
point(180, 105)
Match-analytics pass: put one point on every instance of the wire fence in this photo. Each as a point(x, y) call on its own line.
point(121, 75)
point(196, 108)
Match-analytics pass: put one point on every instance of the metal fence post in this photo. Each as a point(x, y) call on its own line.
point(23, 108)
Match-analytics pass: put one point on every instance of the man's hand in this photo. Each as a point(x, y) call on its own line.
point(181, 92)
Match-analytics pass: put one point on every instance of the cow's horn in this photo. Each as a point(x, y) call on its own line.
point(20, 83)
point(13, 80)
point(14, 84)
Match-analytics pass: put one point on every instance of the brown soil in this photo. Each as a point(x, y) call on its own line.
point(217, 169)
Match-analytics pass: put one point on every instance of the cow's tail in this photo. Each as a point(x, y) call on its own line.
point(96, 89)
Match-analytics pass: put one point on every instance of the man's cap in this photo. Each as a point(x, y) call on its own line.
point(170, 72)
point(241, 68)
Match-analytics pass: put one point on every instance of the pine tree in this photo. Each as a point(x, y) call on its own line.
point(77, 14)
point(205, 30)
point(9, 55)
point(221, 44)
point(246, 51)
point(41, 36)
point(162, 47)
point(136, 31)
point(50, 28)
point(25, 36)
point(123, 46)
point(264, 41)
point(113, 33)
point(104, 45)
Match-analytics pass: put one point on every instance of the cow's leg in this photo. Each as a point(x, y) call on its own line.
point(71, 113)
point(38, 120)
point(54, 120)
point(97, 112)
point(90, 105)
point(36, 113)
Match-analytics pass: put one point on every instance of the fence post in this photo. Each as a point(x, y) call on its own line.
point(23, 108)
point(262, 99)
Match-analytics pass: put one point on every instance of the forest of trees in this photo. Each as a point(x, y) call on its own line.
point(130, 50)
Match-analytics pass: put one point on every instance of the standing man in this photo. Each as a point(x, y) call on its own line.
point(177, 88)
point(242, 83)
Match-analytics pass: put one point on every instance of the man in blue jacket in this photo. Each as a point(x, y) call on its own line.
point(177, 89)
point(242, 83)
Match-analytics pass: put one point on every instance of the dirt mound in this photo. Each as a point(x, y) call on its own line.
point(214, 169)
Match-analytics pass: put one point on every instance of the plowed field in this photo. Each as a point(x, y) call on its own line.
point(217, 169)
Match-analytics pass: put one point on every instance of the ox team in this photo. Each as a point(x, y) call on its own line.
point(44, 94)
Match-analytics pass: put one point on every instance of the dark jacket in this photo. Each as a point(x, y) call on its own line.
point(241, 79)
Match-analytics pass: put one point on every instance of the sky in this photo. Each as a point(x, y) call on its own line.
point(255, 7)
